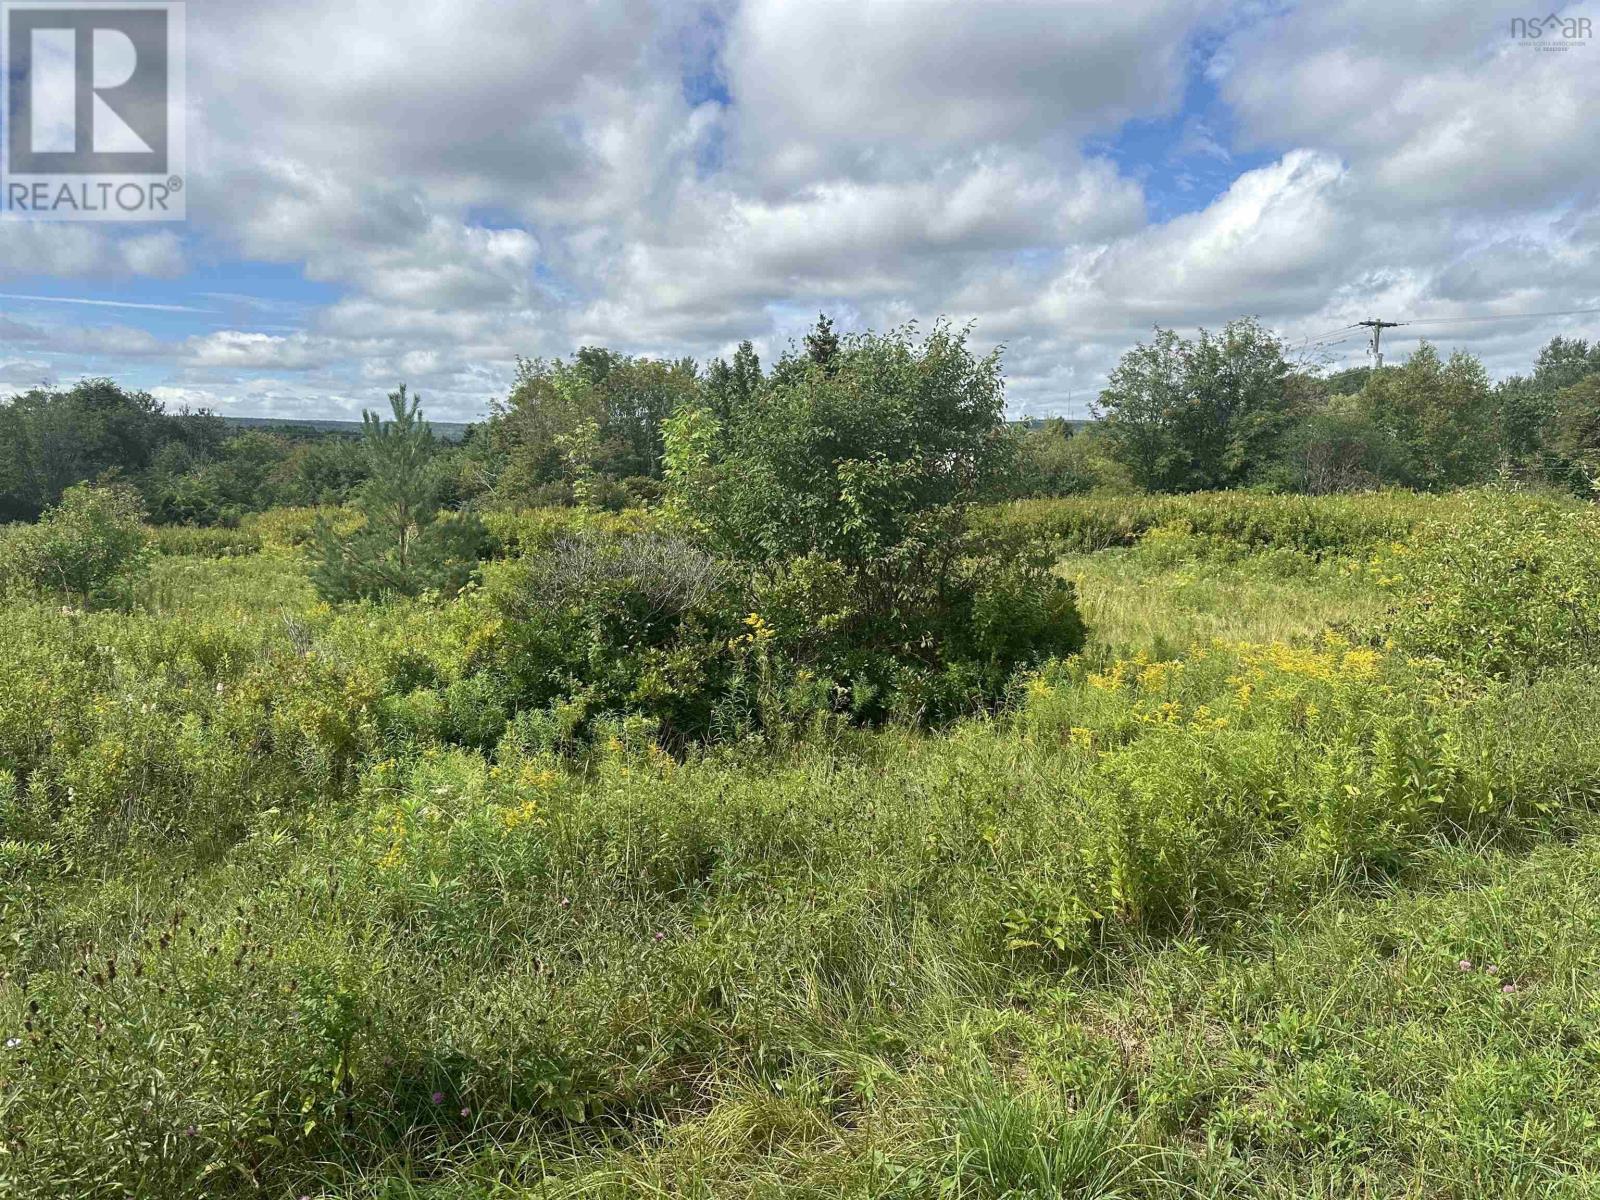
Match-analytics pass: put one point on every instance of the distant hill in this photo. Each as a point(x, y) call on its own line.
point(449, 431)
point(1072, 423)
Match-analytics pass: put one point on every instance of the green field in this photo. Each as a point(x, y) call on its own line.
point(1288, 885)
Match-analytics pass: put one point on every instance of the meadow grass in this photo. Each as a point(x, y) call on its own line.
point(1242, 902)
point(1132, 604)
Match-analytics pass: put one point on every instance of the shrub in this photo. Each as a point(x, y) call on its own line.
point(643, 624)
point(1506, 585)
point(1318, 526)
point(86, 548)
point(843, 483)
point(868, 456)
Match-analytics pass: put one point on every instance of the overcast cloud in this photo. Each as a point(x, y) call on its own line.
point(423, 192)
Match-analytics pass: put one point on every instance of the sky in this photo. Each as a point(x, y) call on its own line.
point(383, 192)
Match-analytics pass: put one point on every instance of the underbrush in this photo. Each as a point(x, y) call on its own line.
point(455, 952)
point(1316, 526)
point(1506, 586)
point(303, 900)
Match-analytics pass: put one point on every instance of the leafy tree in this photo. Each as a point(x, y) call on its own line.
point(327, 470)
point(1541, 418)
point(1523, 414)
point(1341, 449)
point(1575, 436)
point(1052, 460)
point(865, 457)
point(51, 439)
point(239, 479)
point(844, 484)
point(580, 450)
point(1185, 415)
point(627, 400)
point(1439, 415)
point(405, 545)
point(1565, 361)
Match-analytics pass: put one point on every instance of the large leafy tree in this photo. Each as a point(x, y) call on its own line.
point(1542, 416)
point(52, 439)
point(1186, 414)
point(1439, 417)
point(1565, 361)
point(526, 450)
point(1575, 437)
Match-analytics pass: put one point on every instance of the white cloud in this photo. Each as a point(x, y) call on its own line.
point(1434, 103)
point(875, 89)
point(69, 250)
point(470, 182)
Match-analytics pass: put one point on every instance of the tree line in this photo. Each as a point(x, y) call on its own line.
point(186, 467)
point(1231, 410)
point(1228, 409)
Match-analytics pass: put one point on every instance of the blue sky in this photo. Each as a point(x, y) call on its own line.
point(381, 193)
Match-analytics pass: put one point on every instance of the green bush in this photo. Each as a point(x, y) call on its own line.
point(842, 483)
point(1323, 526)
point(1506, 585)
point(87, 548)
point(644, 624)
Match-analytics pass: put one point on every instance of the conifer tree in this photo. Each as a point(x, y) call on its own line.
point(405, 544)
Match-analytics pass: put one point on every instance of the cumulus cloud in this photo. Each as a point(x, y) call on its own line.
point(1436, 104)
point(878, 88)
point(61, 250)
point(382, 192)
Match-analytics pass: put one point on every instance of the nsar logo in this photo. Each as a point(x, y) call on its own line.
point(1554, 32)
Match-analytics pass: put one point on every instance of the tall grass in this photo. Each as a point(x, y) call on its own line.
point(1242, 902)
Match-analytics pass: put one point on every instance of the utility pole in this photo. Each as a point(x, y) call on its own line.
point(1377, 328)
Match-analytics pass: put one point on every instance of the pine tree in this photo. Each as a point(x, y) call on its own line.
point(405, 545)
point(729, 386)
point(822, 343)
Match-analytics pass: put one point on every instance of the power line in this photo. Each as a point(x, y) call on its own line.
point(1314, 341)
point(1327, 342)
point(1567, 312)
point(1320, 336)
point(1377, 326)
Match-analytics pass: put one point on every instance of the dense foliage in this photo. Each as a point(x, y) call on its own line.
point(843, 483)
point(1229, 410)
point(1193, 415)
point(1220, 410)
point(84, 549)
point(53, 440)
point(291, 905)
point(1511, 587)
point(832, 826)
point(586, 431)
